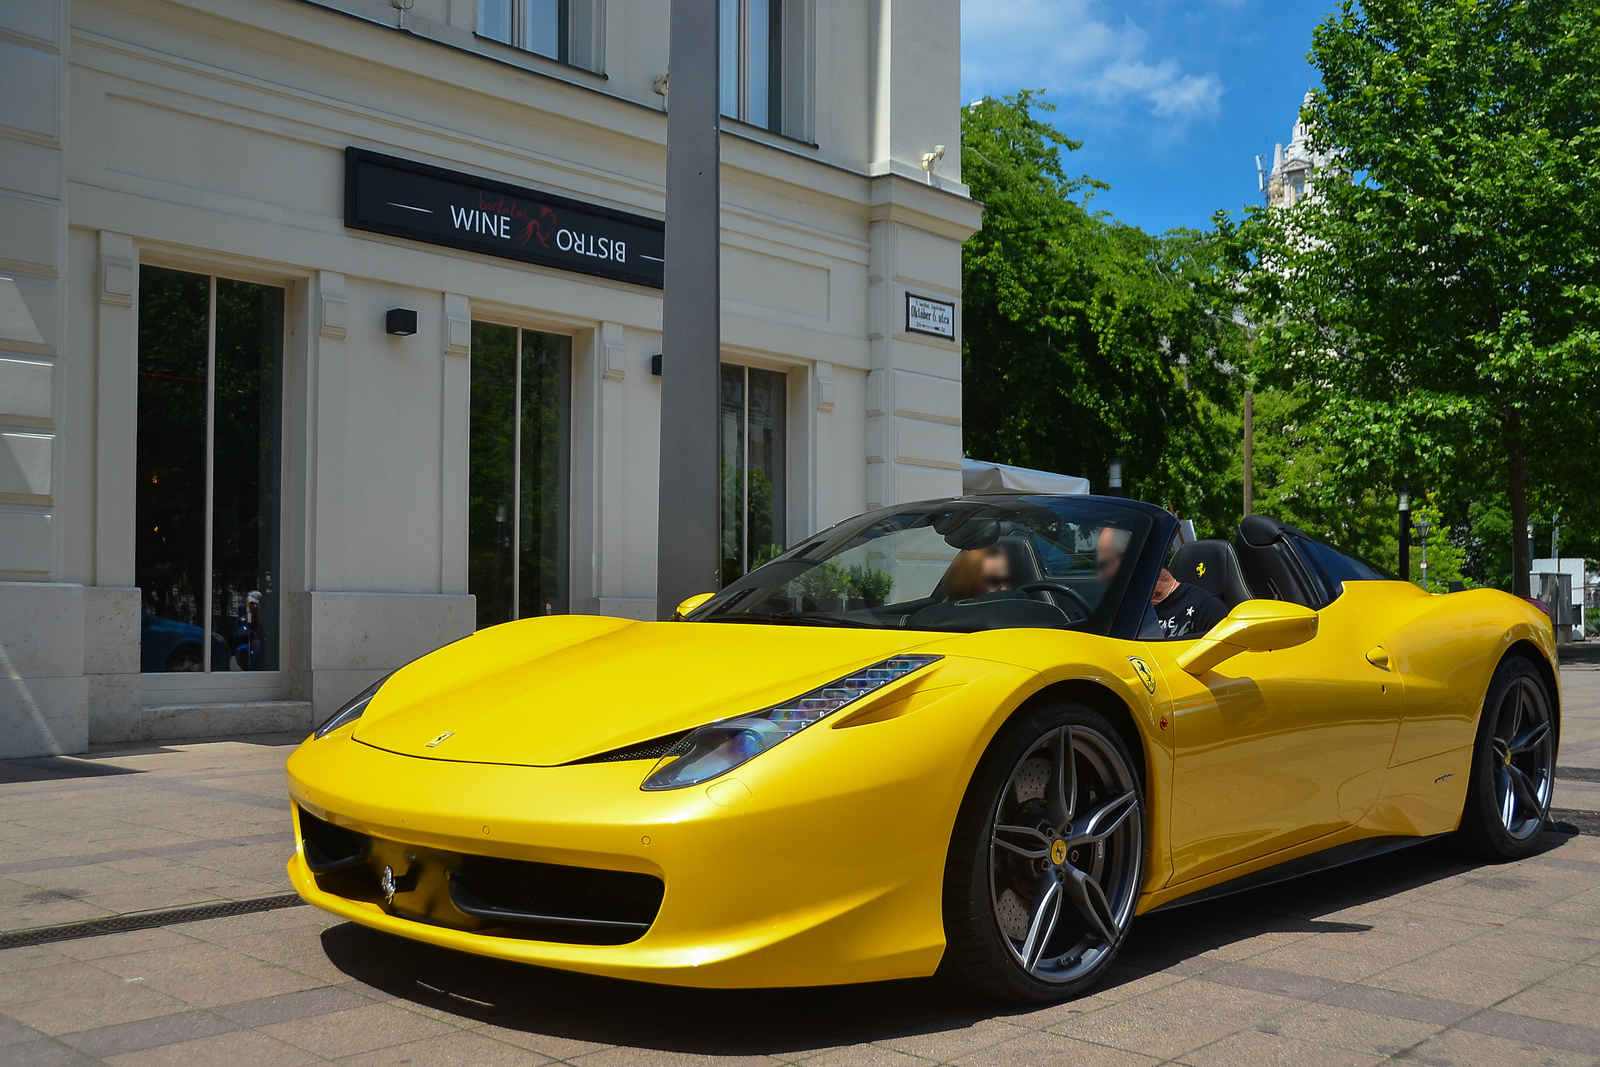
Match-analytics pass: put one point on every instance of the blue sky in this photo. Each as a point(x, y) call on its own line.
point(1173, 99)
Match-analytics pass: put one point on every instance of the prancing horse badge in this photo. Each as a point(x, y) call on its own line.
point(1145, 676)
point(447, 735)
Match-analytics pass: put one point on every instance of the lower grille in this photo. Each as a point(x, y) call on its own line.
point(482, 894)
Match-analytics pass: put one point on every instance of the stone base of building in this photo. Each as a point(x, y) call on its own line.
point(69, 666)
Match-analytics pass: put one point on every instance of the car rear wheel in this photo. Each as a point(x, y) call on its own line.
point(1513, 764)
point(1047, 858)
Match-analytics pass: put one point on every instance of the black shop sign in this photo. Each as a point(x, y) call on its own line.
point(423, 203)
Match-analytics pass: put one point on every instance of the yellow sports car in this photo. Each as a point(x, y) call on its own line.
point(976, 736)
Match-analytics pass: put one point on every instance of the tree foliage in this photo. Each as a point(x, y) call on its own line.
point(1298, 477)
point(1438, 299)
point(1086, 338)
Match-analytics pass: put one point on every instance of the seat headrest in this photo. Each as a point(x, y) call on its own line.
point(1212, 566)
point(1262, 530)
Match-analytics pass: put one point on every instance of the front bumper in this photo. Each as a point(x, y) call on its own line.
point(820, 863)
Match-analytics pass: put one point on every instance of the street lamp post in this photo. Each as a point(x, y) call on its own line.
point(1530, 553)
point(1249, 451)
point(689, 540)
point(1405, 534)
point(1422, 532)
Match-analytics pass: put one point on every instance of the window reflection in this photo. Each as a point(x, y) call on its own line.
point(751, 61)
point(208, 342)
point(244, 590)
point(752, 449)
point(517, 478)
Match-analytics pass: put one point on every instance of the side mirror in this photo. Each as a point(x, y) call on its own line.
point(689, 605)
point(1253, 626)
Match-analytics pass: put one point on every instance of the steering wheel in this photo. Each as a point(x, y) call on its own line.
point(1070, 593)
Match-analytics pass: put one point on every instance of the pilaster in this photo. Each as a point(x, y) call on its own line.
point(914, 381)
point(33, 138)
point(456, 443)
point(325, 519)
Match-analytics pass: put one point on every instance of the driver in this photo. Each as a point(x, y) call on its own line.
point(1176, 608)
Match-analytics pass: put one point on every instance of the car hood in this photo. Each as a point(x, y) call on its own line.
point(552, 690)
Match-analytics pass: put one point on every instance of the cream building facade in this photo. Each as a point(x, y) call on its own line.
point(257, 449)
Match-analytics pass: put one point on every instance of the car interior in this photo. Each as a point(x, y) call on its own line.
point(1262, 561)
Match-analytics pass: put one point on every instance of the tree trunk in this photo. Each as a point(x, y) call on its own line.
point(1517, 489)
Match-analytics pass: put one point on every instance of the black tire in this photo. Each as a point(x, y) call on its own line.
point(185, 658)
point(999, 887)
point(1513, 764)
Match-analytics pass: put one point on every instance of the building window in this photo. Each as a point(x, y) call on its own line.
point(567, 31)
point(537, 26)
point(752, 468)
point(752, 61)
point(517, 478)
point(210, 393)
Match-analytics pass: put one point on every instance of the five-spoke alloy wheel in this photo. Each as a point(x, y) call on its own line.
point(1513, 765)
point(1047, 858)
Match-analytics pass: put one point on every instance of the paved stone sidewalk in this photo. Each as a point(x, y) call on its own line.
point(1415, 956)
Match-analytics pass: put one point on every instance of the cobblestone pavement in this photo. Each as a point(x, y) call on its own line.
point(1416, 955)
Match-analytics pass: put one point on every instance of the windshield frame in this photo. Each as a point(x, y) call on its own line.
point(1125, 602)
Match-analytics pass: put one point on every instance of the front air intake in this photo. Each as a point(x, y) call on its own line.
point(553, 902)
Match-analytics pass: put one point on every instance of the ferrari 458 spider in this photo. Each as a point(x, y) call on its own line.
point(937, 737)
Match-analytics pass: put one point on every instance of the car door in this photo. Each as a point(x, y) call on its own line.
point(1275, 749)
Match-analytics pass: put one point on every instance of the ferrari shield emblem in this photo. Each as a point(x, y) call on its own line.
point(1058, 852)
point(1145, 676)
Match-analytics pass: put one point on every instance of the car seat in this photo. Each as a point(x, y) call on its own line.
point(1269, 564)
point(1212, 566)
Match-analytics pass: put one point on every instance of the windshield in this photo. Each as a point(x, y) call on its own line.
point(980, 563)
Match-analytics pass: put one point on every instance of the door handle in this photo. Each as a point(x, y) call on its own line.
point(1378, 656)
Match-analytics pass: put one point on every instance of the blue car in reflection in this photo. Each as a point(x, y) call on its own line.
point(169, 645)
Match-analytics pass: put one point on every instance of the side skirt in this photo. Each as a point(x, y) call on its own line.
point(1337, 856)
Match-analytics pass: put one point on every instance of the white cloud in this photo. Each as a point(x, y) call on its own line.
point(1069, 48)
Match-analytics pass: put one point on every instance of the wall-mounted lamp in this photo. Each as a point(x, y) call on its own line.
point(1114, 477)
point(401, 322)
point(930, 159)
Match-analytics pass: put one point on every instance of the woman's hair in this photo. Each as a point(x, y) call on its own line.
point(964, 579)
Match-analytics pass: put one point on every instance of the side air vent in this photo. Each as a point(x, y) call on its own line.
point(653, 749)
point(329, 847)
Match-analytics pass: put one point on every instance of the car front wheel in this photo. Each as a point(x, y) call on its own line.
point(1047, 857)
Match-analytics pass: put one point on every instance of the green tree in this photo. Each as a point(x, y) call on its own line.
point(1297, 478)
point(1086, 338)
point(1446, 558)
point(1440, 294)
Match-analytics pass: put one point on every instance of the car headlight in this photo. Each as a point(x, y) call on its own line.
point(352, 709)
point(719, 747)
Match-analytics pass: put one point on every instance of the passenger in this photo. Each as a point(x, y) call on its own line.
point(1176, 609)
point(1184, 610)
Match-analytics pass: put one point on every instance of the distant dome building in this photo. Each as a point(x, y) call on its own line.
point(1294, 167)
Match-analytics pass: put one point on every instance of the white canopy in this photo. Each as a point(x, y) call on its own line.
point(981, 476)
